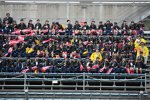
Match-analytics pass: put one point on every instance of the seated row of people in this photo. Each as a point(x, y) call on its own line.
point(96, 49)
point(9, 25)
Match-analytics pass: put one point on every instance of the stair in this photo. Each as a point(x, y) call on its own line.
point(147, 37)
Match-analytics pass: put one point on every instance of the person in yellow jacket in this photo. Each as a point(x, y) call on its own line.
point(142, 48)
point(145, 52)
point(96, 55)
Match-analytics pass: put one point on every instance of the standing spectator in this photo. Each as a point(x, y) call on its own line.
point(93, 26)
point(140, 27)
point(69, 27)
point(10, 19)
point(30, 25)
point(108, 27)
point(46, 25)
point(1, 25)
point(116, 28)
point(101, 26)
point(77, 26)
point(22, 25)
point(124, 28)
point(7, 28)
point(38, 25)
point(14, 25)
point(132, 28)
point(85, 26)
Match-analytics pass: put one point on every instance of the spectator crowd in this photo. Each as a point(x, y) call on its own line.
point(53, 48)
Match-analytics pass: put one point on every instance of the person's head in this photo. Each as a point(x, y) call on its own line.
point(21, 21)
point(132, 22)
point(108, 21)
point(85, 23)
point(38, 20)
point(93, 22)
point(124, 22)
point(30, 21)
point(68, 21)
point(46, 22)
point(76, 22)
point(115, 23)
point(100, 22)
point(142, 44)
point(7, 14)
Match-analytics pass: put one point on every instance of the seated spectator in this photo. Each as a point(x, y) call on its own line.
point(96, 54)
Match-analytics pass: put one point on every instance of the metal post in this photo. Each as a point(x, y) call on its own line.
point(141, 95)
point(84, 81)
point(25, 87)
point(145, 83)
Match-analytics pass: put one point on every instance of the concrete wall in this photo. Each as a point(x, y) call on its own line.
point(57, 12)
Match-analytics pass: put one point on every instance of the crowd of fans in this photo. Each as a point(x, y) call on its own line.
point(55, 48)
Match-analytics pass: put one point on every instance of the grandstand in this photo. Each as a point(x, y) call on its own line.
point(74, 50)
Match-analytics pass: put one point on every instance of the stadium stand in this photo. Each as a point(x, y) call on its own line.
point(77, 61)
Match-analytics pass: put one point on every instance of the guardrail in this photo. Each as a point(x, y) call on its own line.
point(52, 85)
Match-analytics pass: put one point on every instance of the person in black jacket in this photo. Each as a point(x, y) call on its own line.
point(77, 26)
point(38, 25)
point(10, 19)
point(7, 28)
point(46, 25)
point(93, 26)
point(101, 26)
point(22, 25)
point(30, 25)
point(69, 27)
point(124, 28)
point(108, 26)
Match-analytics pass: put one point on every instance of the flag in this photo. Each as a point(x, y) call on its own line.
point(45, 41)
point(102, 69)
point(94, 66)
point(81, 67)
point(64, 54)
point(10, 50)
point(16, 32)
point(21, 38)
point(25, 70)
point(13, 42)
point(34, 68)
point(109, 70)
point(45, 68)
